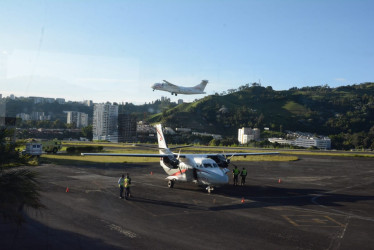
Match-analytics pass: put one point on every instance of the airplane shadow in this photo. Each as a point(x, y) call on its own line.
point(260, 196)
point(168, 203)
point(265, 196)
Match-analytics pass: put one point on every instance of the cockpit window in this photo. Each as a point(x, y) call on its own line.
point(215, 165)
point(207, 165)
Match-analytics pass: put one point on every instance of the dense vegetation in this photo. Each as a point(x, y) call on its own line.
point(346, 114)
point(18, 186)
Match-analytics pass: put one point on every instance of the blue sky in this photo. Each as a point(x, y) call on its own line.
point(114, 50)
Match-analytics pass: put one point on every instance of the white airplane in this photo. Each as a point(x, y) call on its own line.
point(209, 170)
point(174, 89)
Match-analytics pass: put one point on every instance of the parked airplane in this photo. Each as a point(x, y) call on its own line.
point(174, 89)
point(204, 169)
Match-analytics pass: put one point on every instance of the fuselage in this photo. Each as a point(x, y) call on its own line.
point(200, 169)
point(177, 89)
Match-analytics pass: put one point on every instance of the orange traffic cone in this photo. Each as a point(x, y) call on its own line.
point(279, 180)
point(242, 199)
point(151, 173)
point(67, 190)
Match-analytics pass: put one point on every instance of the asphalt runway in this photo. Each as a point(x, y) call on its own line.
point(314, 203)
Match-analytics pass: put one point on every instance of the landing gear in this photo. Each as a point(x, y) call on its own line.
point(209, 189)
point(170, 184)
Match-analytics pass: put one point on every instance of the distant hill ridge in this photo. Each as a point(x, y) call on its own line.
point(320, 110)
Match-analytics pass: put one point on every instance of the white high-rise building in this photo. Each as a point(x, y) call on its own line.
point(105, 122)
point(88, 103)
point(246, 135)
point(78, 118)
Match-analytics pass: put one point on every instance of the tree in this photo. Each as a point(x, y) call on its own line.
point(87, 132)
point(214, 142)
point(18, 187)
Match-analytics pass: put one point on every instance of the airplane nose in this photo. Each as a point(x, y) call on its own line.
point(155, 85)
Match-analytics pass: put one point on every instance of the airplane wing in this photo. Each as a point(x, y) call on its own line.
point(180, 155)
point(128, 155)
point(244, 154)
point(169, 83)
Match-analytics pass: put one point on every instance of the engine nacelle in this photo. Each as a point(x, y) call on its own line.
point(170, 161)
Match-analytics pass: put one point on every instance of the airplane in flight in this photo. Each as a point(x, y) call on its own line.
point(209, 170)
point(174, 89)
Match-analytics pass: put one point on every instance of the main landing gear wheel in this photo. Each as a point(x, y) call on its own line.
point(171, 184)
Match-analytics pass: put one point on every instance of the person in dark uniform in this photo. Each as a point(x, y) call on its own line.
point(121, 183)
point(235, 173)
point(243, 174)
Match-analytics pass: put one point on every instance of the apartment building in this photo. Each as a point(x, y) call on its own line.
point(246, 135)
point(78, 118)
point(105, 122)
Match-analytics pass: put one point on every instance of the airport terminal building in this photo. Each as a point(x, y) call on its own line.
point(305, 142)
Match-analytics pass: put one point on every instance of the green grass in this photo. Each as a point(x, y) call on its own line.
point(266, 158)
point(319, 153)
point(79, 160)
point(295, 108)
point(64, 159)
point(289, 155)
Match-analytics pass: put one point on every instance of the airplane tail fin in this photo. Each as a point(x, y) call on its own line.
point(202, 85)
point(161, 140)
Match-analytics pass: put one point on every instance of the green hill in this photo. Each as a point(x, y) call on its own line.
point(320, 110)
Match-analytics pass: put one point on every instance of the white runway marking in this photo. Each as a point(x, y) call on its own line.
point(122, 231)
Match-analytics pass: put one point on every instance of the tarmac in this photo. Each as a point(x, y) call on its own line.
point(317, 202)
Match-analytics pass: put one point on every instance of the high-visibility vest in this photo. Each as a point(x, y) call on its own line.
point(244, 173)
point(127, 182)
point(235, 171)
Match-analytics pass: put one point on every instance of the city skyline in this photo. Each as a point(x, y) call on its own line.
point(114, 50)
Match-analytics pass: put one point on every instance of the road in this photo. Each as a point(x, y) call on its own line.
point(318, 202)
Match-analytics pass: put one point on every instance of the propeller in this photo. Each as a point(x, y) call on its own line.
point(228, 160)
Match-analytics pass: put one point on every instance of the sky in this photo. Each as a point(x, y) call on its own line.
point(114, 50)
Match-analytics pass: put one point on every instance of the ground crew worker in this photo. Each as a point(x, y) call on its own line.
point(235, 173)
point(243, 174)
point(127, 184)
point(121, 183)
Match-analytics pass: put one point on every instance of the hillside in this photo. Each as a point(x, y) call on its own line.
point(320, 110)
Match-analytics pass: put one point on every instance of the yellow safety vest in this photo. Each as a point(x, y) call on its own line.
point(127, 182)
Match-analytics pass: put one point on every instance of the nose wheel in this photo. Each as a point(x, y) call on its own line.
point(170, 184)
point(209, 189)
